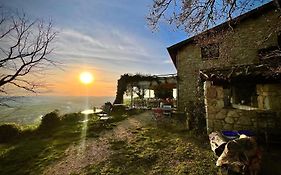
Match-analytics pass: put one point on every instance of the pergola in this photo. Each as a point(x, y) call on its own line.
point(150, 82)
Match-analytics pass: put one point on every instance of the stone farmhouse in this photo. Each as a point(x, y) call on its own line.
point(235, 68)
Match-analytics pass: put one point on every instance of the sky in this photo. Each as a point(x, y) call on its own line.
point(105, 37)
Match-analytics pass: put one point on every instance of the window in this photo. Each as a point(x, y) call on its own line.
point(244, 94)
point(210, 51)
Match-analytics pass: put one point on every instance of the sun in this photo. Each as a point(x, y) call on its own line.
point(86, 77)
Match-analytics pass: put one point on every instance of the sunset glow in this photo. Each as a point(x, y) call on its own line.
point(86, 78)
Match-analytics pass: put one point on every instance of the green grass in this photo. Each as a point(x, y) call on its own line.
point(152, 150)
point(158, 151)
point(38, 147)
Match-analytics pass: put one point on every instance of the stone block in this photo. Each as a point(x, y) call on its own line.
point(212, 110)
point(219, 104)
point(269, 102)
point(261, 88)
point(247, 113)
point(229, 120)
point(245, 121)
point(218, 124)
point(261, 102)
point(237, 127)
point(220, 92)
point(233, 114)
point(273, 102)
point(211, 92)
point(273, 88)
point(221, 114)
point(270, 93)
point(211, 102)
point(211, 106)
point(210, 116)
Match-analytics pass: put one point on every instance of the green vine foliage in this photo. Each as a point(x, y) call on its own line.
point(127, 79)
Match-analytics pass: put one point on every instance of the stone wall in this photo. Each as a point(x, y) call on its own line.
point(188, 74)
point(218, 117)
point(269, 96)
point(238, 47)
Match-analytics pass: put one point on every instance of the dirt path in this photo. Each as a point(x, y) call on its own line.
point(95, 150)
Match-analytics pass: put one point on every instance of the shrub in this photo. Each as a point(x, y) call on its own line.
point(28, 130)
point(117, 118)
point(9, 132)
point(50, 120)
point(196, 111)
point(118, 109)
point(72, 117)
point(134, 111)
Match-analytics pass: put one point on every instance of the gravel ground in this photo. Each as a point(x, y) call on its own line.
point(95, 150)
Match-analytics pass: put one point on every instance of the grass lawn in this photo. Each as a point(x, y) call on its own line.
point(149, 150)
point(158, 151)
point(37, 147)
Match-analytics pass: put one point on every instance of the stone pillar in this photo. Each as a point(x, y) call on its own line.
point(269, 96)
point(214, 103)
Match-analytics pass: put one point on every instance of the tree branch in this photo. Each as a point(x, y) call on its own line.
point(26, 49)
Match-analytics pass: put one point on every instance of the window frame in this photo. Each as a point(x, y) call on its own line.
point(206, 51)
point(239, 93)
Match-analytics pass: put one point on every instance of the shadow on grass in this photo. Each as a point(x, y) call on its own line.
point(157, 151)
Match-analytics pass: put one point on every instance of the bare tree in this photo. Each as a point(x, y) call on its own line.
point(197, 15)
point(24, 47)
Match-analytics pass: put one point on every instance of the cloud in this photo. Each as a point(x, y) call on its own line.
point(167, 61)
point(109, 49)
point(110, 44)
point(109, 38)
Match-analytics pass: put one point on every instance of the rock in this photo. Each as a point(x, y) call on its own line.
point(237, 127)
point(220, 104)
point(261, 102)
point(210, 116)
point(212, 110)
point(211, 92)
point(245, 120)
point(269, 88)
point(229, 120)
point(221, 114)
point(220, 93)
point(233, 114)
point(218, 124)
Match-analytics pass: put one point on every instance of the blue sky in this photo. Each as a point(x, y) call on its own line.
point(106, 37)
